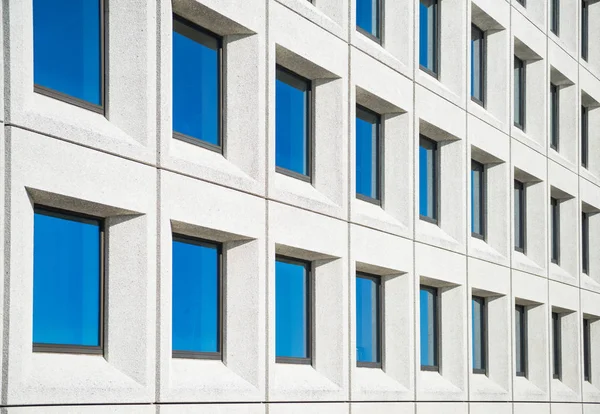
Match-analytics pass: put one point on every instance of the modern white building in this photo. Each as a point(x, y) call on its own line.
point(286, 206)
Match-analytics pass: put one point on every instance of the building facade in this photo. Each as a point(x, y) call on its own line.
point(291, 206)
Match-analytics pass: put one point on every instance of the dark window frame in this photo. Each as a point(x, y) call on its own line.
point(436, 329)
point(585, 243)
point(483, 67)
point(371, 116)
point(183, 238)
point(522, 311)
point(434, 147)
point(435, 72)
point(584, 136)
point(308, 267)
point(587, 351)
point(520, 65)
point(554, 117)
point(208, 39)
point(380, 13)
point(520, 186)
point(479, 167)
point(81, 103)
point(555, 17)
point(556, 346)
point(484, 334)
point(585, 27)
point(100, 222)
point(555, 229)
point(380, 325)
point(299, 82)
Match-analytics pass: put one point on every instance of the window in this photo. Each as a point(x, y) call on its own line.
point(68, 51)
point(556, 346)
point(554, 116)
point(368, 155)
point(477, 199)
point(196, 298)
point(587, 358)
point(196, 85)
point(584, 28)
point(368, 18)
point(519, 196)
point(292, 311)
point(477, 64)
point(429, 15)
point(554, 16)
point(429, 328)
point(519, 93)
point(555, 229)
point(68, 277)
point(584, 137)
point(479, 331)
point(522, 2)
point(292, 124)
point(428, 186)
point(585, 243)
point(368, 321)
point(521, 340)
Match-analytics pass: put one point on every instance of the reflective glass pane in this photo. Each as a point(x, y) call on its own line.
point(67, 47)
point(367, 16)
point(476, 198)
point(367, 154)
point(195, 296)
point(518, 90)
point(478, 332)
point(427, 179)
point(428, 327)
point(428, 34)
point(66, 280)
point(195, 83)
point(291, 310)
point(477, 63)
point(367, 320)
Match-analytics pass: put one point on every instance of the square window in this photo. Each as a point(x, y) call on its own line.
point(196, 85)
point(368, 18)
point(429, 15)
point(520, 215)
point(556, 346)
point(554, 116)
point(292, 124)
point(292, 311)
point(196, 298)
point(479, 331)
point(555, 229)
point(368, 320)
point(521, 340)
point(429, 328)
point(68, 51)
point(368, 155)
point(68, 290)
point(587, 359)
point(519, 93)
point(477, 199)
point(477, 64)
point(428, 181)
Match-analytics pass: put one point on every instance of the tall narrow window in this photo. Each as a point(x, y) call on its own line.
point(519, 93)
point(555, 230)
point(584, 137)
point(292, 124)
point(196, 298)
point(477, 199)
point(519, 200)
point(196, 85)
point(368, 155)
point(477, 64)
point(554, 116)
point(587, 357)
point(585, 243)
point(368, 18)
point(292, 311)
point(584, 28)
point(429, 328)
point(521, 341)
point(428, 186)
point(368, 320)
point(479, 331)
point(68, 256)
point(429, 35)
point(554, 16)
point(556, 346)
point(68, 51)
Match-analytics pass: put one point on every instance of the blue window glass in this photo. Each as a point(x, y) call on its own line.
point(429, 328)
point(68, 49)
point(477, 199)
point(292, 120)
point(477, 64)
point(428, 179)
point(428, 35)
point(368, 320)
point(291, 310)
point(479, 328)
point(196, 297)
point(368, 17)
point(367, 154)
point(67, 280)
point(196, 84)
